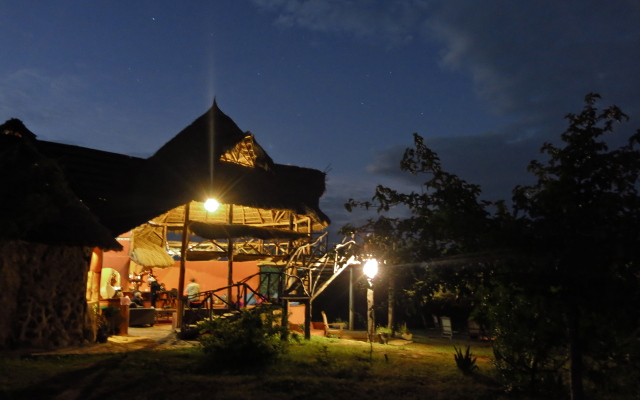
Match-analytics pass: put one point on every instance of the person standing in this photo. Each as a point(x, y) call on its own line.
point(155, 288)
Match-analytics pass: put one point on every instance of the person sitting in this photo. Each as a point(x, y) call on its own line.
point(192, 291)
point(137, 300)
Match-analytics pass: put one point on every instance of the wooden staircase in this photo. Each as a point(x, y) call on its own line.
point(307, 273)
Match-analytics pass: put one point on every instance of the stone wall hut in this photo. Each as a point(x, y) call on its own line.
point(46, 240)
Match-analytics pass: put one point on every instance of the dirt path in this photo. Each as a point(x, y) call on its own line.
point(158, 337)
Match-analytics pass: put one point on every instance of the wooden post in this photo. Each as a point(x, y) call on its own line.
point(351, 310)
point(96, 270)
point(230, 258)
point(390, 310)
point(307, 319)
point(371, 324)
point(183, 260)
point(285, 319)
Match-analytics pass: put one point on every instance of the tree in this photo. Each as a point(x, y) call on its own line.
point(583, 218)
point(447, 220)
point(565, 261)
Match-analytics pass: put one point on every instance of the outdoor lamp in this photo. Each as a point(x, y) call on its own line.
point(211, 205)
point(370, 268)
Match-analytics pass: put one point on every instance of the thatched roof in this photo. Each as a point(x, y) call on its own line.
point(182, 171)
point(148, 249)
point(36, 204)
point(125, 192)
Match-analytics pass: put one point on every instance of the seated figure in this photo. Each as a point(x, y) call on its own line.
point(137, 300)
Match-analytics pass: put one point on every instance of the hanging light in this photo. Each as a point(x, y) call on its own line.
point(370, 268)
point(211, 205)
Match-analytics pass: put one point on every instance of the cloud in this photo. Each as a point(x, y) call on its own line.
point(63, 108)
point(529, 60)
point(32, 94)
point(393, 22)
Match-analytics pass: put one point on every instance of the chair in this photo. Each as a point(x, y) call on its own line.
point(477, 331)
point(172, 298)
point(446, 327)
point(436, 323)
point(333, 328)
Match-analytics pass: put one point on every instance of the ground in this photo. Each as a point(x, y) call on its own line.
point(131, 367)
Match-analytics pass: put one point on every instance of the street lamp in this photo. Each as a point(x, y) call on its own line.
point(370, 269)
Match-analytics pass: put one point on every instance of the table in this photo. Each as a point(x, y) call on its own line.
point(165, 314)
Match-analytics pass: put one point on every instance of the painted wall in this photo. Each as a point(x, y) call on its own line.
point(209, 274)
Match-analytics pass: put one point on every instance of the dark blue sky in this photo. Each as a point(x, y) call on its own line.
point(334, 85)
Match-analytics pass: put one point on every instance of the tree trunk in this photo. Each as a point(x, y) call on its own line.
point(575, 353)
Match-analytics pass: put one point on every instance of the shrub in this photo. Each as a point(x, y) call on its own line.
point(250, 339)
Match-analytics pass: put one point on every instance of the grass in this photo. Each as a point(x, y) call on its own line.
point(318, 369)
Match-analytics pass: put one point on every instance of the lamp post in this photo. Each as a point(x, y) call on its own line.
point(370, 269)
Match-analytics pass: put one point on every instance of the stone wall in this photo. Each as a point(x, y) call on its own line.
point(42, 295)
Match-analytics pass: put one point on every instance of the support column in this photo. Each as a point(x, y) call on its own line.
point(183, 260)
point(307, 319)
point(391, 308)
point(371, 324)
point(230, 259)
point(351, 310)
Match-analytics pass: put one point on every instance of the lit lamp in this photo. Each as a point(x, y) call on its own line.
point(370, 269)
point(211, 205)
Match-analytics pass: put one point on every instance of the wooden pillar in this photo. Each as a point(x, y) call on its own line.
point(96, 272)
point(230, 258)
point(123, 329)
point(391, 314)
point(351, 306)
point(183, 260)
point(307, 319)
point(285, 319)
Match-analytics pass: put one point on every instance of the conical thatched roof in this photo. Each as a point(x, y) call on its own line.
point(182, 171)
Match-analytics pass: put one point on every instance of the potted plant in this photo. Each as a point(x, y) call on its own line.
point(404, 332)
point(103, 328)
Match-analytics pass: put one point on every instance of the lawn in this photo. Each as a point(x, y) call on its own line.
point(318, 369)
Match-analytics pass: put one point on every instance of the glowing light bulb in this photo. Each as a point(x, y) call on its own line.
point(370, 268)
point(211, 205)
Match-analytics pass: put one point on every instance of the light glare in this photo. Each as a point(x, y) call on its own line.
point(211, 205)
point(370, 268)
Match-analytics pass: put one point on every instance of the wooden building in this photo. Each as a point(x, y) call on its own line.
point(267, 212)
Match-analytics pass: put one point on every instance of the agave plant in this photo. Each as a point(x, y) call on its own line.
point(465, 361)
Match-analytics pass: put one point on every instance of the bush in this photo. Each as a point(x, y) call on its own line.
point(247, 340)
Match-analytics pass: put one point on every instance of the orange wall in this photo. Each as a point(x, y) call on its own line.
point(209, 274)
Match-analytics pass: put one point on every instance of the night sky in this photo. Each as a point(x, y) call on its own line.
point(334, 85)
